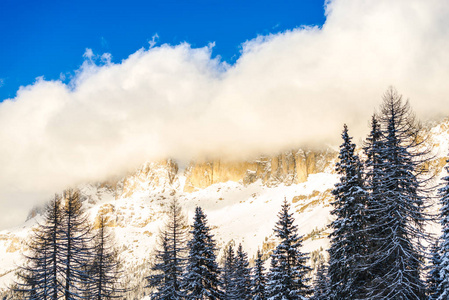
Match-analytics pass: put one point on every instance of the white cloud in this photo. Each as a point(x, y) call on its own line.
point(106, 58)
point(288, 89)
point(154, 40)
point(89, 54)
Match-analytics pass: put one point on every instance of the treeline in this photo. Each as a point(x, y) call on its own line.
point(189, 270)
point(68, 259)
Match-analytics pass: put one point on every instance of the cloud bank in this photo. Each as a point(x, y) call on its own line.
point(286, 90)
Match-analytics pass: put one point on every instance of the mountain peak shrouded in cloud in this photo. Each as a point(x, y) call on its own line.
point(286, 90)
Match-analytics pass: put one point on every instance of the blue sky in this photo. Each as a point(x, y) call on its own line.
point(48, 38)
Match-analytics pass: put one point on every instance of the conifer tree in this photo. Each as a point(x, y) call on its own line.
point(201, 280)
point(321, 285)
point(287, 277)
point(396, 264)
point(39, 277)
point(76, 249)
point(442, 291)
point(374, 150)
point(242, 275)
point(228, 272)
point(171, 258)
point(34, 275)
point(177, 239)
point(161, 277)
point(348, 240)
point(259, 279)
point(103, 273)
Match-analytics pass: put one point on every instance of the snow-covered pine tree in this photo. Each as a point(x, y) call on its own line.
point(287, 278)
point(374, 150)
point(442, 291)
point(76, 250)
point(177, 239)
point(348, 241)
point(242, 275)
point(103, 273)
point(39, 277)
point(201, 280)
point(259, 279)
point(374, 174)
point(433, 276)
point(160, 278)
point(228, 282)
point(320, 285)
point(397, 264)
point(171, 258)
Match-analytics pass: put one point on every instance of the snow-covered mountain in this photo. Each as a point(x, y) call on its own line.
point(241, 200)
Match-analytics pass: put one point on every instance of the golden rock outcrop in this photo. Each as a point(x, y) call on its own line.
point(289, 167)
point(106, 210)
point(15, 245)
point(202, 175)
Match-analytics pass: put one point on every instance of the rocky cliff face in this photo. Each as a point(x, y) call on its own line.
point(156, 175)
point(290, 167)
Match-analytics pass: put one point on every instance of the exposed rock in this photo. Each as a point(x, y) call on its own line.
point(106, 210)
point(435, 166)
point(312, 200)
point(312, 162)
point(202, 175)
point(160, 175)
point(14, 245)
point(288, 168)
